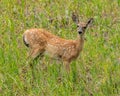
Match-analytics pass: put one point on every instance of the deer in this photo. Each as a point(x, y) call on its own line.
point(41, 42)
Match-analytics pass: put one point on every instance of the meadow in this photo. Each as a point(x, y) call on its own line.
point(95, 73)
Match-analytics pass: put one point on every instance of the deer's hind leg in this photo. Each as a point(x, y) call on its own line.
point(34, 54)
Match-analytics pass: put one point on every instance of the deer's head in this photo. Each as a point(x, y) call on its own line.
point(81, 26)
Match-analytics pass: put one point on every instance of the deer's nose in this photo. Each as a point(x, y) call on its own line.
point(80, 32)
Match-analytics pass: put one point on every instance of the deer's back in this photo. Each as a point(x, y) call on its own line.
point(35, 36)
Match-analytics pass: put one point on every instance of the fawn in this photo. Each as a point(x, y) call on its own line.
point(41, 42)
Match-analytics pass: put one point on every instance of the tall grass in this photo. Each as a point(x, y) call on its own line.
point(95, 73)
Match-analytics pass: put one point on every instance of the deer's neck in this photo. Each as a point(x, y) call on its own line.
point(80, 42)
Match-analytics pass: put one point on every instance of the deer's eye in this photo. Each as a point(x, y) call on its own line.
point(84, 27)
point(77, 25)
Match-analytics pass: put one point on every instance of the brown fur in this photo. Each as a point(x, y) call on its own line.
point(43, 42)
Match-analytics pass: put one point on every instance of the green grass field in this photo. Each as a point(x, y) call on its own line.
point(95, 73)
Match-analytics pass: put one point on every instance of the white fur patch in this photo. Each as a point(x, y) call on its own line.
point(26, 40)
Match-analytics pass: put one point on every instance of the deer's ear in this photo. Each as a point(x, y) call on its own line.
point(89, 22)
point(75, 18)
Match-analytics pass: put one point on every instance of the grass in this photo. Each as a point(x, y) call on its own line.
point(95, 73)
